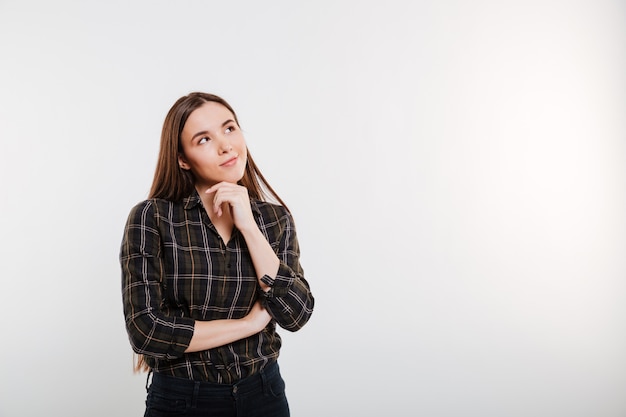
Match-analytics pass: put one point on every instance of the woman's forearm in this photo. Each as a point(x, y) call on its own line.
point(215, 333)
point(263, 256)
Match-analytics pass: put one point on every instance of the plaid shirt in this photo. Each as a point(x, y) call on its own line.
point(176, 269)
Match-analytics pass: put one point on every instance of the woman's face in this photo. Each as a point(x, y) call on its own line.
point(213, 146)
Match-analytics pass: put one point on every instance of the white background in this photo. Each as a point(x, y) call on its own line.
point(457, 172)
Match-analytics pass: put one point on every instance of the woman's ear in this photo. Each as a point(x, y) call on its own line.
point(182, 163)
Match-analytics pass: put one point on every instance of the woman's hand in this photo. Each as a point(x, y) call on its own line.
point(238, 202)
point(237, 198)
point(258, 317)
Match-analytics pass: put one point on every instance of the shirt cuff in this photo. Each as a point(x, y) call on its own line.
point(269, 281)
point(279, 286)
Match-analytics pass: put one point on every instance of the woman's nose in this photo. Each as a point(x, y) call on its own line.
point(224, 145)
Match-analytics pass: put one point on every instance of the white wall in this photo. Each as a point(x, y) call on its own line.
point(456, 170)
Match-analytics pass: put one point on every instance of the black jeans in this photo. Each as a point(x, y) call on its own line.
point(260, 395)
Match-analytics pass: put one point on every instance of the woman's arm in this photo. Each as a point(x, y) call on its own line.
point(264, 259)
point(150, 331)
point(215, 333)
point(288, 296)
point(289, 299)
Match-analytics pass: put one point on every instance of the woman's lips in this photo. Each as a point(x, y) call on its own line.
point(230, 162)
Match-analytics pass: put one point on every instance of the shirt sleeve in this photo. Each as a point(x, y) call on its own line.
point(289, 300)
point(150, 331)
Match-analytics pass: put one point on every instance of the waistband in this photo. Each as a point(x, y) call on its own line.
point(175, 385)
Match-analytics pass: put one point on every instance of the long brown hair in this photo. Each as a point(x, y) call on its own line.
point(173, 183)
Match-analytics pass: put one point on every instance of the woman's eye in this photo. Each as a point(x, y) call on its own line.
point(203, 139)
point(229, 129)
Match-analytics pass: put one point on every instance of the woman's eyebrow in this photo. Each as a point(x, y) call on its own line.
point(205, 132)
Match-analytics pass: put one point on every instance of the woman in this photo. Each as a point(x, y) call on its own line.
point(209, 267)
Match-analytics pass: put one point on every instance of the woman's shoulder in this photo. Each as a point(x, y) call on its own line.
point(271, 211)
point(268, 205)
point(150, 203)
point(152, 207)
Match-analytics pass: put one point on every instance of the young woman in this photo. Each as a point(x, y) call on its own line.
point(209, 267)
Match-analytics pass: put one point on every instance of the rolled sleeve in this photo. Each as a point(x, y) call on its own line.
point(151, 332)
point(289, 299)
